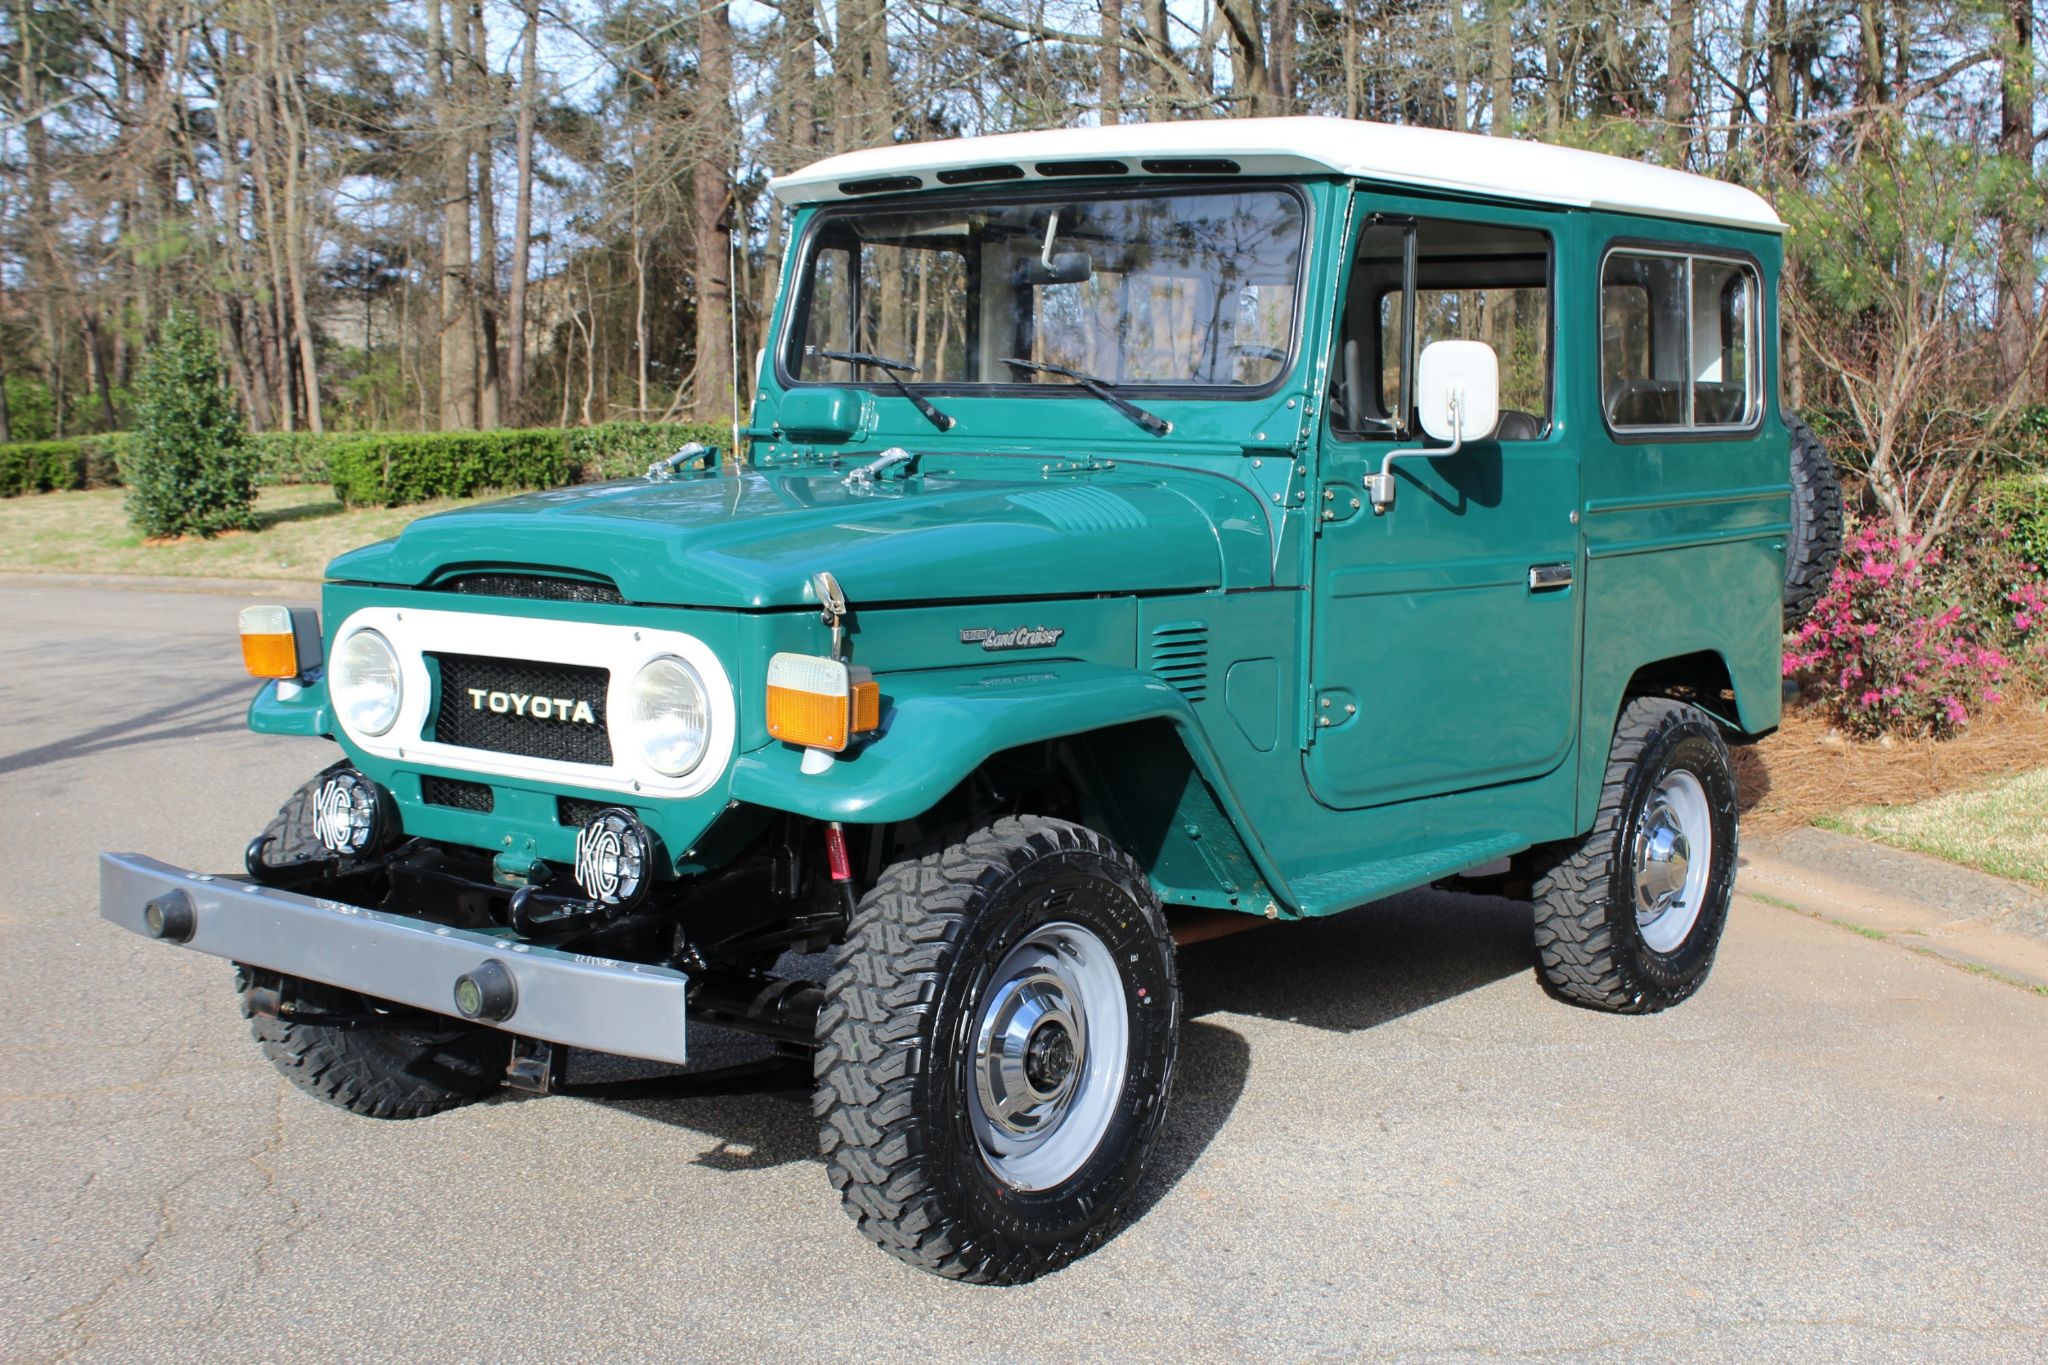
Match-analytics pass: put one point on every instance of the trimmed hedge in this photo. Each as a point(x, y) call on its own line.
point(390, 468)
point(291, 456)
point(394, 468)
point(40, 467)
point(623, 450)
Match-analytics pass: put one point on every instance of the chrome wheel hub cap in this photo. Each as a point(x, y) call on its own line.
point(1051, 1039)
point(1671, 855)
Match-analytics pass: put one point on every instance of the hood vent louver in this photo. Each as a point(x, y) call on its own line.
point(534, 587)
point(1180, 654)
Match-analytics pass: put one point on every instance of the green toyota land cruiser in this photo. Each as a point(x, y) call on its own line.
point(1141, 531)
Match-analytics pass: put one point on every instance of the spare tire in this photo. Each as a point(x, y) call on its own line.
point(1816, 539)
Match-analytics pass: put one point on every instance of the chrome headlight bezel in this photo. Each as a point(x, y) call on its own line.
point(653, 720)
point(357, 658)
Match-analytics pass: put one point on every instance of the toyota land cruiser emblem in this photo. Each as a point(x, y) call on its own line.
point(1021, 637)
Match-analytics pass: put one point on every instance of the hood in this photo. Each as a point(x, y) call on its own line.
point(753, 538)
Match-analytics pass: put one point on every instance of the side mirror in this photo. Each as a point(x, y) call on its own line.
point(1457, 395)
point(1457, 390)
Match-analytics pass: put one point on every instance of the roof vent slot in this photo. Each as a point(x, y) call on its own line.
point(1190, 165)
point(1180, 655)
point(881, 184)
point(976, 175)
point(1101, 167)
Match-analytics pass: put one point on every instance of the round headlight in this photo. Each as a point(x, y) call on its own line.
point(364, 684)
point(668, 716)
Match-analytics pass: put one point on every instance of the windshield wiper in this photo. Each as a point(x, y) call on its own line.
point(1101, 388)
point(889, 369)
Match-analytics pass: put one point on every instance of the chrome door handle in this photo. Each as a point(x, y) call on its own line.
point(1545, 577)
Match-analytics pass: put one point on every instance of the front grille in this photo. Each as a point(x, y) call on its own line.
point(578, 811)
point(453, 791)
point(482, 701)
point(535, 587)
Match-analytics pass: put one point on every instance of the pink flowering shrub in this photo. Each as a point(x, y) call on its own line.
point(1914, 641)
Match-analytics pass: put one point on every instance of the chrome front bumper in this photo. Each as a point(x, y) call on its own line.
point(588, 1002)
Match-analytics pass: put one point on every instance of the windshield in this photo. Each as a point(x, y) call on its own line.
point(1188, 289)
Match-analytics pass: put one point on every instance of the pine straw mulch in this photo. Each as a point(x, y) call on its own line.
point(1809, 769)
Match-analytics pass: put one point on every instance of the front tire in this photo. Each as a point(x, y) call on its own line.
point(1628, 919)
point(379, 1061)
point(995, 1051)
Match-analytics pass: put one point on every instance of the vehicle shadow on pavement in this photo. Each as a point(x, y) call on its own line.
point(1365, 967)
point(1347, 973)
point(218, 711)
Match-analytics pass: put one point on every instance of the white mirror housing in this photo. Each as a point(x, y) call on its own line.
point(1457, 390)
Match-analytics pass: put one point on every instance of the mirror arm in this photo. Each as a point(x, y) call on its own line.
point(1379, 488)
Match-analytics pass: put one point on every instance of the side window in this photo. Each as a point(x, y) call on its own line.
point(1418, 281)
point(1677, 341)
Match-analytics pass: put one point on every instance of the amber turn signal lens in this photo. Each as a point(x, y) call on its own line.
point(272, 646)
point(820, 703)
point(270, 656)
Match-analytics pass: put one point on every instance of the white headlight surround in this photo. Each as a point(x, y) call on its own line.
point(669, 716)
point(365, 683)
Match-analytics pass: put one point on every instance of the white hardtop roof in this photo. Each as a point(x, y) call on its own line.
point(1427, 158)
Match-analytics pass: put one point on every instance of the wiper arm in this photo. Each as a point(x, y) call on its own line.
point(1157, 425)
point(889, 369)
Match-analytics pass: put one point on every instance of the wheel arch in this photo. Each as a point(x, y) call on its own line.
point(1139, 766)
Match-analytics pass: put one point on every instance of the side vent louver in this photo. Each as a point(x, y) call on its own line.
point(1180, 654)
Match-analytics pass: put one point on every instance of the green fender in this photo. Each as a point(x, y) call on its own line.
point(938, 726)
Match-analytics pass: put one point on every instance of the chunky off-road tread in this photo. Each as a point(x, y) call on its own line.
point(380, 1073)
point(289, 836)
point(1815, 542)
point(886, 979)
point(1578, 956)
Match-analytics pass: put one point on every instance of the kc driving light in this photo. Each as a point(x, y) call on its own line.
point(668, 716)
point(364, 683)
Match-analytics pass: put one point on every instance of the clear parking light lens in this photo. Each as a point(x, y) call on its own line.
point(669, 716)
point(364, 683)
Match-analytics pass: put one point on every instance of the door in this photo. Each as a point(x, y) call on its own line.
point(1444, 644)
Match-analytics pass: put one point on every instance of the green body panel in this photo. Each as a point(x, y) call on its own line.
point(1269, 707)
point(987, 527)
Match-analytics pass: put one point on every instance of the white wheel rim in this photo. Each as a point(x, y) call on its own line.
point(1051, 1048)
point(1672, 856)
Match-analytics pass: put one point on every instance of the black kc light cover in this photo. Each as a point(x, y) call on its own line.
point(614, 858)
point(349, 815)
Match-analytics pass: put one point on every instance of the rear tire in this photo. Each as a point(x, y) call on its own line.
point(408, 1069)
point(1815, 542)
point(995, 1051)
point(1629, 917)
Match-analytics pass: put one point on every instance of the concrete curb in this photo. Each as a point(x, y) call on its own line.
point(292, 589)
point(1975, 920)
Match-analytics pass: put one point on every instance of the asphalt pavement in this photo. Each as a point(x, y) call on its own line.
point(1385, 1140)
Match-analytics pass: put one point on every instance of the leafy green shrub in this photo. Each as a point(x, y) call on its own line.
point(31, 416)
point(188, 465)
point(99, 459)
point(394, 468)
point(623, 450)
point(2019, 504)
point(39, 467)
point(290, 457)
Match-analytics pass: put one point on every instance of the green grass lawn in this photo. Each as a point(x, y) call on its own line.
point(302, 528)
point(2002, 829)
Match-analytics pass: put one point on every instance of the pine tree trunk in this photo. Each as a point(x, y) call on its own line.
point(522, 212)
point(1110, 82)
point(713, 392)
point(458, 342)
